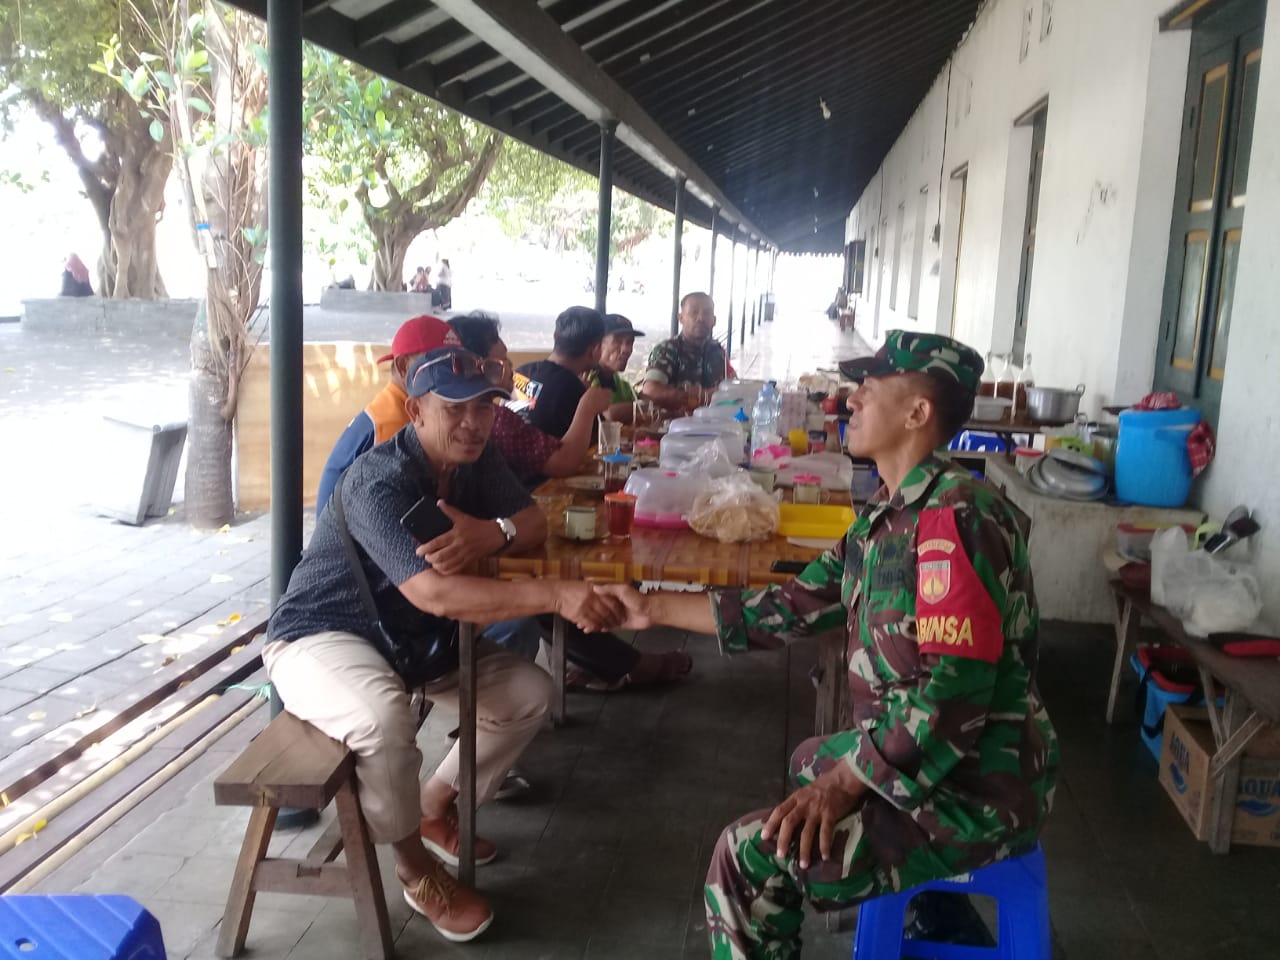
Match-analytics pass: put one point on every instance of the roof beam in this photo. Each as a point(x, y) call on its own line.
point(529, 37)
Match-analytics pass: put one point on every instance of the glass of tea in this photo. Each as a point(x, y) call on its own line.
point(620, 513)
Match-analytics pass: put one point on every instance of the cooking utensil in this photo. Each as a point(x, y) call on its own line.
point(1077, 460)
point(1060, 487)
point(1239, 525)
point(1052, 404)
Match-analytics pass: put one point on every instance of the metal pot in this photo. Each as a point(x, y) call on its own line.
point(1053, 405)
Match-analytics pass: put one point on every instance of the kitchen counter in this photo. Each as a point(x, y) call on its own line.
point(1068, 538)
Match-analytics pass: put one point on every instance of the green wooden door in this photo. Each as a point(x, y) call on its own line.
point(1213, 174)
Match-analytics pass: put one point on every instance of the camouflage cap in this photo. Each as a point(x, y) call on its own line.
point(906, 351)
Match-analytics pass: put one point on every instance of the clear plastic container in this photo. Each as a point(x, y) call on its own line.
point(663, 497)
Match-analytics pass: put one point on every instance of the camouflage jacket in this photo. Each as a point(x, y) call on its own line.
point(682, 363)
point(934, 590)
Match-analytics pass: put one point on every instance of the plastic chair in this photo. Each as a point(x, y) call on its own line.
point(977, 441)
point(1019, 887)
point(78, 928)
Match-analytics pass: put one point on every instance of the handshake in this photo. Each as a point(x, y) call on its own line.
point(595, 607)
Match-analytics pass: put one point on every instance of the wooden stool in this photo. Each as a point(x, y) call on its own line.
point(292, 764)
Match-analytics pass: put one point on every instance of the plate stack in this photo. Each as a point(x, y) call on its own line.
point(1069, 475)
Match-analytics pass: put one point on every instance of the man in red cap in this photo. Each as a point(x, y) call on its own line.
point(385, 414)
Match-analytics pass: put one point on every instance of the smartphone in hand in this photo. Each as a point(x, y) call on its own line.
point(426, 521)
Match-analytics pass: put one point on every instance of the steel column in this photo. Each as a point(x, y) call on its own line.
point(715, 226)
point(604, 214)
point(284, 212)
point(677, 256)
point(284, 196)
point(733, 269)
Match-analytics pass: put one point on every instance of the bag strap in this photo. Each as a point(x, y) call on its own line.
point(353, 557)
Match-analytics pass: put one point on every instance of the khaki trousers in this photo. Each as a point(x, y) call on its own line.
point(340, 684)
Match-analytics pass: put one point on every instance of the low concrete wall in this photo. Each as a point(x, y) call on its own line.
point(376, 301)
point(110, 317)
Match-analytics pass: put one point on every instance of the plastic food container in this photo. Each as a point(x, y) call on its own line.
point(1024, 459)
point(991, 408)
point(812, 521)
point(663, 497)
point(677, 449)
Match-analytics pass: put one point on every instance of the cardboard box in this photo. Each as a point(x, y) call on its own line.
point(1184, 772)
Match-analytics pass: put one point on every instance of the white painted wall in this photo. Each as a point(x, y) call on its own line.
point(1110, 160)
point(1115, 88)
point(1248, 460)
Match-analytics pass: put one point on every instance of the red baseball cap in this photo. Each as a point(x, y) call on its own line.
point(421, 335)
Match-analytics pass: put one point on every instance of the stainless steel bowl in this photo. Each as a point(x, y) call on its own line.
point(1053, 405)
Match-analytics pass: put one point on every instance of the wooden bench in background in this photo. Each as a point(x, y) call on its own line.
point(292, 764)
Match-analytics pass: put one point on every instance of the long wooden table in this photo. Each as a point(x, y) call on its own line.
point(1251, 700)
point(647, 555)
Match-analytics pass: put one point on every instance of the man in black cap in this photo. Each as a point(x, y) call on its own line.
point(615, 353)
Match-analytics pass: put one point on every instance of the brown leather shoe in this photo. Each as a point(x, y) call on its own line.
point(441, 838)
point(458, 913)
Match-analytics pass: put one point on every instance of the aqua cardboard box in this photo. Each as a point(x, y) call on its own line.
point(1184, 772)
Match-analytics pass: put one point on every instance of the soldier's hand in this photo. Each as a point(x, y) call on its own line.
point(813, 811)
point(583, 604)
point(635, 602)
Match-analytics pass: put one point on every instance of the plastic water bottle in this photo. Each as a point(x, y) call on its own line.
point(744, 424)
point(764, 419)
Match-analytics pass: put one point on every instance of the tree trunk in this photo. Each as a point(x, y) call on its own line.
point(207, 486)
point(129, 254)
point(390, 247)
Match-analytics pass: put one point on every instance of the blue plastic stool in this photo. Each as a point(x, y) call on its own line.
point(1021, 893)
point(78, 928)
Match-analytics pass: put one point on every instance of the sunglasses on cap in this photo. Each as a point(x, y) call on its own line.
point(467, 366)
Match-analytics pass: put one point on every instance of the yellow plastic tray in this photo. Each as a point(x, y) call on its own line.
point(812, 520)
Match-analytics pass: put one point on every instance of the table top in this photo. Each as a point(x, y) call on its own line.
point(648, 554)
point(1257, 679)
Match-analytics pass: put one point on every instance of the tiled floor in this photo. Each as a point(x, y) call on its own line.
point(607, 859)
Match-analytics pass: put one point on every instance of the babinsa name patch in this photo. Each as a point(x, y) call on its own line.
point(955, 615)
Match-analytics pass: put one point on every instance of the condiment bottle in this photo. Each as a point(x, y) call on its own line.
point(987, 385)
point(1025, 379)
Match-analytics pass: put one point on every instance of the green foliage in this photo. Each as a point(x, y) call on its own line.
point(373, 139)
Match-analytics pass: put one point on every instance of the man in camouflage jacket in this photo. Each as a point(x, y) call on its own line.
point(951, 761)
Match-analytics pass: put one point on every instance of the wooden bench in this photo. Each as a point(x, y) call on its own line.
point(292, 764)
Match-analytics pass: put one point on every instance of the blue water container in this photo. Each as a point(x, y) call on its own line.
point(1152, 464)
point(78, 928)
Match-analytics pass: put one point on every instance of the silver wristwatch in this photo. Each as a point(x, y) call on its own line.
point(508, 528)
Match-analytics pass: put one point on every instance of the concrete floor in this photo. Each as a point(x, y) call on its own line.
point(607, 858)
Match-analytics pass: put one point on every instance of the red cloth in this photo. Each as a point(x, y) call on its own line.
point(524, 447)
point(1159, 401)
point(1201, 444)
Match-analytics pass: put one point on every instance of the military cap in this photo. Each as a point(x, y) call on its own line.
point(906, 351)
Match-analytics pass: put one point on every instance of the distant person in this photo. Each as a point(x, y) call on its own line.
point(421, 280)
point(552, 388)
point(838, 305)
point(442, 296)
point(75, 278)
point(685, 369)
point(615, 354)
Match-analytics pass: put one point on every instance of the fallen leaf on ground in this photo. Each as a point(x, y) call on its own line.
point(235, 650)
point(85, 711)
point(225, 528)
point(221, 578)
point(167, 660)
point(36, 828)
point(36, 715)
point(4, 799)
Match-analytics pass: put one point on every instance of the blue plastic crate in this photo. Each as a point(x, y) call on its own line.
point(78, 928)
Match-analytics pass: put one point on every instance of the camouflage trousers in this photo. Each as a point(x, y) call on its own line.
point(755, 894)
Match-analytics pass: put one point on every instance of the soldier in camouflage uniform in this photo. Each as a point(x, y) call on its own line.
point(951, 761)
point(690, 365)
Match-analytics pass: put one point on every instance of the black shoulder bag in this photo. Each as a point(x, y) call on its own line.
point(407, 659)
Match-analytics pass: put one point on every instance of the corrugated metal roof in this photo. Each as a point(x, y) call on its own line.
point(738, 85)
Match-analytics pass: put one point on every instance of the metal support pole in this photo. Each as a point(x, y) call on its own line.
point(733, 266)
point(284, 199)
point(678, 256)
point(604, 214)
point(755, 287)
point(742, 320)
point(715, 228)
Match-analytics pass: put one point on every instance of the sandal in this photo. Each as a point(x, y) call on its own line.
point(662, 668)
